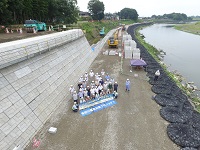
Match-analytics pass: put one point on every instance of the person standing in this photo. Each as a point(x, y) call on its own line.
point(115, 86)
point(71, 89)
point(102, 72)
point(128, 85)
point(157, 74)
point(110, 86)
point(75, 97)
point(91, 73)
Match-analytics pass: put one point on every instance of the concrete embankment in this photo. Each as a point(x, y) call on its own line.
point(35, 75)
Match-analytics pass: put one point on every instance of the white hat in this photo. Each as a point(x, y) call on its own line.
point(71, 85)
point(91, 70)
point(127, 79)
point(85, 72)
point(115, 82)
point(74, 91)
point(92, 81)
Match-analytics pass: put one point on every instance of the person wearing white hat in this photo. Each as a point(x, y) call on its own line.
point(75, 97)
point(71, 89)
point(157, 74)
point(128, 84)
point(102, 72)
point(91, 73)
point(96, 76)
point(75, 107)
point(86, 76)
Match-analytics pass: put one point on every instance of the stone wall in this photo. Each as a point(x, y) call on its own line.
point(35, 83)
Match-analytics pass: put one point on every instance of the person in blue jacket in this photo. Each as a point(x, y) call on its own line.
point(128, 85)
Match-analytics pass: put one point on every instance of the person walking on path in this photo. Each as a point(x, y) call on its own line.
point(157, 74)
point(115, 86)
point(128, 84)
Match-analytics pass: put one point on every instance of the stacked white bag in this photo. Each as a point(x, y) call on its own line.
point(130, 50)
point(136, 53)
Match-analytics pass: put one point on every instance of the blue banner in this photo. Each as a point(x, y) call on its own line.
point(96, 105)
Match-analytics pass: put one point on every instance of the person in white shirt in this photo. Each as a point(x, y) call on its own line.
point(157, 74)
point(85, 93)
point(92, 91)
point(71, 89)
point(75, 107)
point(75, 97)
point(100, 88)
point(102, 72)
point(86, 76)
point(92, 84)
point(96, 91)
point(105, 87)
point(81, 79)
point(96, 76)
point(91, 73)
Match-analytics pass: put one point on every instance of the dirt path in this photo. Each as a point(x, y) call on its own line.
point(134, 123)
point(7, 37)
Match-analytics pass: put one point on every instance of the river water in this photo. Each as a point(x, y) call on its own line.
point(182, 49)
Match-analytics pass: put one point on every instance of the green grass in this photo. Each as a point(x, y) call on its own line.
point(92, 28)
point(154, 52)
point(191, 28)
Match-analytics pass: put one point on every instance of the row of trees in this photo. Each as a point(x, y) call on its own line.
point(16, 11)
point(58, 11)
point(173, 16)
point(96, 9)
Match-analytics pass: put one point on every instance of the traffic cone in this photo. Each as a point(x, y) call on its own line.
point(20, 31)
point(7, 31)
point(34, 31)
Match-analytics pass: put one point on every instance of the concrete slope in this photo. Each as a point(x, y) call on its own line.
point(34, 81)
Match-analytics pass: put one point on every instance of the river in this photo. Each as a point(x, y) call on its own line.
point(182, 49)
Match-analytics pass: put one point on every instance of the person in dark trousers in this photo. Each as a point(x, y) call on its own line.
point(115, 86)
point(157, 74)
point(75, 107)
point(110, 86)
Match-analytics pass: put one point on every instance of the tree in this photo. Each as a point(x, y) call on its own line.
point(59, 11)
point(5, 14)
point(128, 13)
point(96, 9)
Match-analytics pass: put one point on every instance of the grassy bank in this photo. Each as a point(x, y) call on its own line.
point(92, 28)
point(155, 52)
point(191, 28)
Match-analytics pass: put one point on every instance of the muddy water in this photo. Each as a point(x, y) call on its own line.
point(182, 49)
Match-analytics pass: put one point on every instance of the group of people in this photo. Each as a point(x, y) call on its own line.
point(93, 85)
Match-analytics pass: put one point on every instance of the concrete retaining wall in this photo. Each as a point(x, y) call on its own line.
point(34, 81)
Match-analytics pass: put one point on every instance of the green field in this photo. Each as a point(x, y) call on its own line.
point(191, 28)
